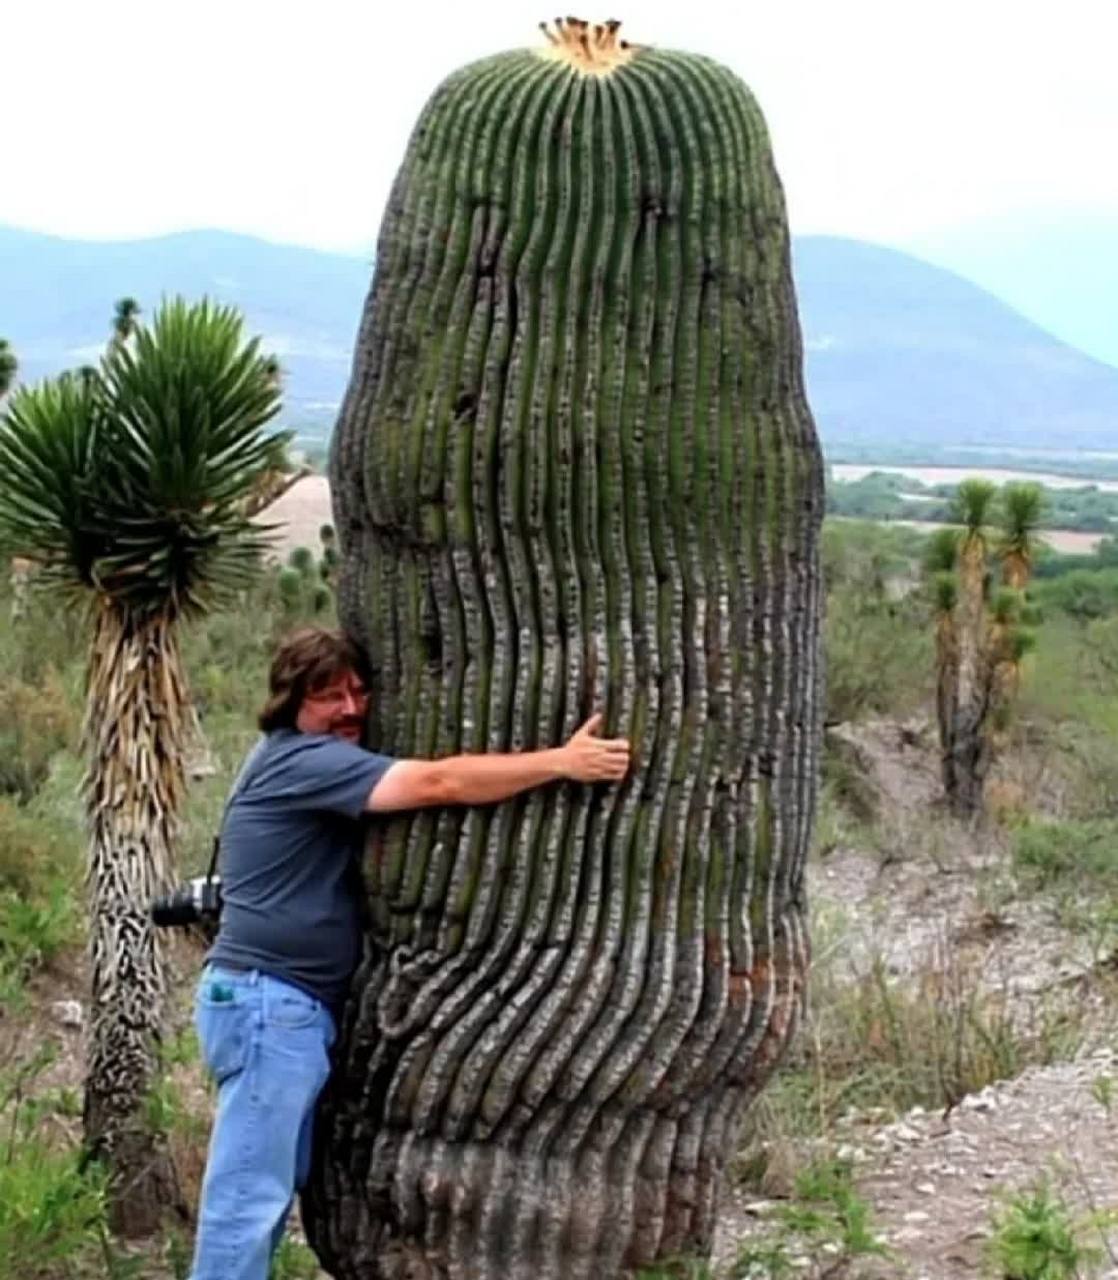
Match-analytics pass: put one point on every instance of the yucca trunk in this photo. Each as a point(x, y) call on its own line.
point(575, 470)
point(966, 754)
point(947, 680)
point(134, 734)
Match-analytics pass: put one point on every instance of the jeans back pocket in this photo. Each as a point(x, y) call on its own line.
point(288, 1007)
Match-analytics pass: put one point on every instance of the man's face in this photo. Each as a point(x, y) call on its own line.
point(338, 707)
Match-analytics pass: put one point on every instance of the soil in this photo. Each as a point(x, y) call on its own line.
point(299, 515)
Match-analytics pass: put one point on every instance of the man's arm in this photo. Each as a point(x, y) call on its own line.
point(485, 779)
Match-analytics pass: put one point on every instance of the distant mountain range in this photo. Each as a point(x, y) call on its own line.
point(898, 350)
point(1060, 270)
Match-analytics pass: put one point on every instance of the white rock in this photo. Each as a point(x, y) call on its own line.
point(917, 1215)
point(68, 1012)
point(984, 1101)
point(906, 1133)
point(926, 1188)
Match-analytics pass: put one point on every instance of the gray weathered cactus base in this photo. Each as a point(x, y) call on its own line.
point(575, 470)
point(568, 1193)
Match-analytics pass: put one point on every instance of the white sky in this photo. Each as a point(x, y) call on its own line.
point(890, 118)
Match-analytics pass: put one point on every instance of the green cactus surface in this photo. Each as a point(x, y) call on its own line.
point(575, 470)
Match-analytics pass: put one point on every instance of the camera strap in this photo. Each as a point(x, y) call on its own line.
point(244, 775)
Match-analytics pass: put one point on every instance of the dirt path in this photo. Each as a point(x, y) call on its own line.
point(299, 514)
point(934, 1182)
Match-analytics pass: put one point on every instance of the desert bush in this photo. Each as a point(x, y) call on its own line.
point(33, 932)
point(880, 1043)
point(52, 1212)
point(876, 638)
point(37, 719)
point(1048, 852)
point(1082, 594)
point(1067, 723)
point(38, 847)
point(1035, 1237)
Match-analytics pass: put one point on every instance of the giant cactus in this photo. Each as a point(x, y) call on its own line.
point(575, 469)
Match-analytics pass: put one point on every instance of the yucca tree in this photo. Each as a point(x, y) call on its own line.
point(126, 315)
point(980, 636)
point(8, 367)
point(126, 489)
point(966, 758)
point(940, 564)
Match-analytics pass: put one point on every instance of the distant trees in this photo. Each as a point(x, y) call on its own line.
point(9, 365)
point(125, 485)
point(886, 496)
point(979, 578)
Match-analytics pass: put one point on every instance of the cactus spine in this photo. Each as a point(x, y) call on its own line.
point(575, 469)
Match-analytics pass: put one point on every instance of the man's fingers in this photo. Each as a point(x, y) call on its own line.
point(593, 724)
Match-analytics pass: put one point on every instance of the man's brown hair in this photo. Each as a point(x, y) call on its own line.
point(305, 661)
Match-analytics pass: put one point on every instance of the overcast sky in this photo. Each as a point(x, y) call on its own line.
point(890, 119)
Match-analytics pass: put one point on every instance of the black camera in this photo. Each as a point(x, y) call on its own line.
point(198, 901)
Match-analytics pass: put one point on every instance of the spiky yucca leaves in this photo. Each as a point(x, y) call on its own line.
point(125, 485)
point(1021, 508)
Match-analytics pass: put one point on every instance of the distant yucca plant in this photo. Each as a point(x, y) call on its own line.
point(981, 638)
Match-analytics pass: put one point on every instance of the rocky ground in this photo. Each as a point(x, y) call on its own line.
point(933, 1181)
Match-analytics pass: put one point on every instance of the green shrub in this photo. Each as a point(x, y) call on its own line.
point(1047, 852)
point(1035, 1238)
point(38, 847)
point(877, 637)
point(1082, 594)
point(33, 932)
point(293, 1261)
point(827, 1222)
point(52, 1215)
point(1068, 714)
point(37, 720)
point(301, 559)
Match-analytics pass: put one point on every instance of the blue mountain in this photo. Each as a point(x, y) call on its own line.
point(897, 350)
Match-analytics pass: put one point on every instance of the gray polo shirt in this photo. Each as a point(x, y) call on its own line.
point(288, 861)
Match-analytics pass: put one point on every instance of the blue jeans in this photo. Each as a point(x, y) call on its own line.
point(266, 1044)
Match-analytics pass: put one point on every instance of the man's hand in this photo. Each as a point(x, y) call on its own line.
point(588, 758)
